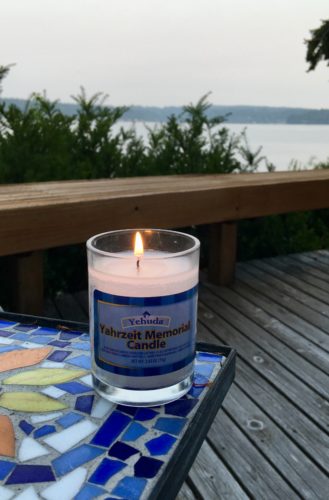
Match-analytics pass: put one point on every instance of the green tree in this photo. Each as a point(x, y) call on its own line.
point(318, 45)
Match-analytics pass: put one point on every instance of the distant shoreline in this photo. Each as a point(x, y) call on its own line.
point(233, 114)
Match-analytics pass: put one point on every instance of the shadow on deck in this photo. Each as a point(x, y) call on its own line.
point(270, 440)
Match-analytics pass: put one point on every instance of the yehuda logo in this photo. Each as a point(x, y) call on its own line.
point(145, 320)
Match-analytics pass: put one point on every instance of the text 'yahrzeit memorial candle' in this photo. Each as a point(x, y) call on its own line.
point(143, 314)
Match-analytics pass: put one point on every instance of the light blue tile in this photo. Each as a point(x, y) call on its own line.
point(82, 361)
point(72, 459)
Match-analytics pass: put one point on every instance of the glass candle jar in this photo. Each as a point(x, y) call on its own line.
point(143, 314)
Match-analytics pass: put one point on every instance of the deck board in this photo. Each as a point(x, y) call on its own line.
point(270, 440)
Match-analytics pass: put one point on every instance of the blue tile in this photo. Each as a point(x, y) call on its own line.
point(23, 474)
point(111, 429)
point(84, 403)
point(9, 348)
point(106, 469)
point(89, 491)
point(171, 425)
point(44, 430)
point(21, 336)
point(85, 336)
point(5, 468)
point(74, 458)
point(134, 431)
point(59, 356)
point(122, 451)
point(82, 361)
point(45, 331)
point(160, 445)
point(58, 343)
point(69, 419)
point(26, 427)
point(40, 340)
point(205, 369)
point(6, 324)
point(25, 328)
point(181, 407)
point(209, 357)
point(6, 333)
point(200, 380)
point(143, 414)
point(147, 467)
point(69, 335)
point(130, 487)
point(195, 392)
point(83, 346)
point(74, 387)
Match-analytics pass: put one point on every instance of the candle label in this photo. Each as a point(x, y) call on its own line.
point(139, 337)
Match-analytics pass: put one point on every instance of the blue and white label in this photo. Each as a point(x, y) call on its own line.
point(139, 337)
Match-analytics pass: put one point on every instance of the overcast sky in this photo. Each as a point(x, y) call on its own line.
point(164, 52)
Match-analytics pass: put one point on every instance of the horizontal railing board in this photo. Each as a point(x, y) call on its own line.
point(44, 215)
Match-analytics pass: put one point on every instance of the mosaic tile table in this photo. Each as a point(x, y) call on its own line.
point(60, 441)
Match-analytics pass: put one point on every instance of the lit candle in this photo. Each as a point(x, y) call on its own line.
point(143, 314)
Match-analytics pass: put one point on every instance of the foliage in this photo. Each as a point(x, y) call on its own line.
point(318, 45)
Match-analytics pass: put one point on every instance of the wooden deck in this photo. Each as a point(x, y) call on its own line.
point(270, 440)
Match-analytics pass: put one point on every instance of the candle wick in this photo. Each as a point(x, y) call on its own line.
point(138, 263)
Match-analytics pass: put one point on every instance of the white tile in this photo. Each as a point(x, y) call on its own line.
point(5, 493)
point(30, 345)
point(36, 419)
point(28, 494)
point(5, 340)
point(53, 392)
point(101, 408)
point(52, 364)
point(64, 440)
point(87, 379)
point(31, 449)
point(67, 487)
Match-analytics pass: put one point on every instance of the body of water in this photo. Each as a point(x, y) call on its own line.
point(281, 144)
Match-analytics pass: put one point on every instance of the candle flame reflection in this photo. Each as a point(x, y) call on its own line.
point(139, 248)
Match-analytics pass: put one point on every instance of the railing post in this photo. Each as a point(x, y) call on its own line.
point(222, 252)
point(27, 282)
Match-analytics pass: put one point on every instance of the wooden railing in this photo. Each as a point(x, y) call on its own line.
point(38, 216)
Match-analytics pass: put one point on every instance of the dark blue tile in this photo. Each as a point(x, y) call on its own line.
point(4, 333)
point(195, 392)
point(44, 430)
point(58, 343)
point(82, 361)
point(143, 414)
point(69, 335)
point(171, 425)
point(160, 445)
point(5, 468)
point(147, 467)
point(111, 429)
point(84, 403)
point(122, 451)
point(209, 357)
point(106, 469)
point(26, 427)
point(69, 419)
point(127, 409)
point(74, 458)
point(134, 431)
point(74, 387)
point(6, 324)
point(89, 491)
point(23, 474)
point(181, 407)
point(59, 356)
point(130, 487)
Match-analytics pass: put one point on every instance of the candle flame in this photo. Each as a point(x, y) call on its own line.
point(139, 248)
